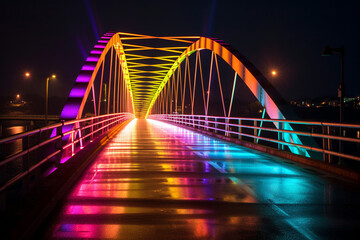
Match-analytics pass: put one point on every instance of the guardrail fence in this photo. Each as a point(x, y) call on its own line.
point(330, 142)
point(27, 156)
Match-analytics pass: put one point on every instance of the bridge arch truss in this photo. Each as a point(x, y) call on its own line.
point(143, 77)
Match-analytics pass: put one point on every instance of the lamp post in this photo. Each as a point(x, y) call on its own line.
point(328, 51)
point(47, 96)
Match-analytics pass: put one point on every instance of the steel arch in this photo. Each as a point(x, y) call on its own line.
point(74, 106)
point(254, 80)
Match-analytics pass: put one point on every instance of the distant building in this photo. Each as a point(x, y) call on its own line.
point(353, 102)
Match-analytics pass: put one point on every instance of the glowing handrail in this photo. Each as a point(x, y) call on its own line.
point(213, 123)
point(100, 123)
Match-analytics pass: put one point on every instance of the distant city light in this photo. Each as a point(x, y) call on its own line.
point(273, 72)
point(27, 74)
point(17, 96)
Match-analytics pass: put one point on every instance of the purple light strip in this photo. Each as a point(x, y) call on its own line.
point(99, 46)
point(83, 77)
point(92, 59)
point(88, 68)
point(96, 52)
point(70, 111)
point(77, 92)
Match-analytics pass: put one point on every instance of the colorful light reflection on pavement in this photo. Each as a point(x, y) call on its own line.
point(157, 181)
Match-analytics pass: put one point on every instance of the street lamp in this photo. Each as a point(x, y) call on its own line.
point(328, 51)
point(273, 72)
point(47, 95)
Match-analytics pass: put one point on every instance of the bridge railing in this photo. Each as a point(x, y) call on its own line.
point(51, 146)
point(331, 142)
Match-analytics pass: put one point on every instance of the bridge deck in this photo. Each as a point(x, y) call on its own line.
point(157, 181)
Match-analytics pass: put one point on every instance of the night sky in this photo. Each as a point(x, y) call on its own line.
point(46, 37)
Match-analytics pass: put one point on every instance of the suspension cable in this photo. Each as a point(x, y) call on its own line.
point(115, 78)
point(101, 83)
point(193, 97)
point(208, 91)
point(202, 82)
point(109, 90)
point(221, 92)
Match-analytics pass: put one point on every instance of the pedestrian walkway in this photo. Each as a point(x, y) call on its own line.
point(158, 181)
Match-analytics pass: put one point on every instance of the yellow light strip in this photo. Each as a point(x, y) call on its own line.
point(138, 65)
point(146, 77)
point(170, 38)
point(150, 77)
point(157, 58)
point(145, 71)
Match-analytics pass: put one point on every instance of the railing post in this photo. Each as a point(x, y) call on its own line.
point(226, 124)
point(59, 144)
point(72, 143)
point(80, 137)
point(255, 131)
point(280, 137)
point(2, 201)
point(216, 125)
point(3, 193)
point(330, 157)
point(341, 145)
point(96, 126)
point(92, 130)
point(25, 166)
point(239, 129)
point(325, 156)
point(101, 125)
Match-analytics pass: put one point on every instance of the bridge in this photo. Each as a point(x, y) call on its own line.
point(150, 146)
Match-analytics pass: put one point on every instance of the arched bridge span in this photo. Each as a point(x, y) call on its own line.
point(140, 68)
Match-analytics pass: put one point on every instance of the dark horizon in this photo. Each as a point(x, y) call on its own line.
point(55, 37)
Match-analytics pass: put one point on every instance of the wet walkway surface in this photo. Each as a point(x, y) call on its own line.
point(158, 181)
